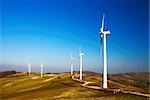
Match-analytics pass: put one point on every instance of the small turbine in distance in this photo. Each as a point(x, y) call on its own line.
point(29, 70)
point(71, 62)
point(41, 70)
point(81, 54)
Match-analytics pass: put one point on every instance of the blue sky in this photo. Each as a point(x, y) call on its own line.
point(46, 30)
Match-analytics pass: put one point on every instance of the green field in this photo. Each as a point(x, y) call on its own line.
point(61, 87)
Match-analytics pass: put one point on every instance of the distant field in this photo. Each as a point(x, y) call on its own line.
point(19, 86)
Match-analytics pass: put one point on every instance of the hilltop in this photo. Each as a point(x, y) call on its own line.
point(20, 86)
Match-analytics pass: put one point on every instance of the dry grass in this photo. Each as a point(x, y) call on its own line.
point(55, 86)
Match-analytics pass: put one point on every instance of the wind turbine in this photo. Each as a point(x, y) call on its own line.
point(29, 66)
point(41, 69)
point(71, 64)
point(81, 54)
point(103, 34)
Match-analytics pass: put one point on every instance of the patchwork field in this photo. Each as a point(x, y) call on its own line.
point(20, 86)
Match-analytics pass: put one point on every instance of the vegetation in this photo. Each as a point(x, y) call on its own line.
point(58, 86)
point(7, 73)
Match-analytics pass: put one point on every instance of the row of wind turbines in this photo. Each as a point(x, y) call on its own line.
point(81, 54)
point(103, 37)
point(41, 66)
point(29, 69)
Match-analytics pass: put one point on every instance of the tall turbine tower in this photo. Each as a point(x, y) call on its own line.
point(71, 62)
point(29, 66)
point(103, 35)
point(41, 69)
point(81, 63)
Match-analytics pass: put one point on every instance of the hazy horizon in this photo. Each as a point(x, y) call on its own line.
point(67, 69)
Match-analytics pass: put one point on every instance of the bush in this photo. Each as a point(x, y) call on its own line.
point(6, 73)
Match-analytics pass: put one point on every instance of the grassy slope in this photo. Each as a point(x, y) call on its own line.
point(138, 82)
point(55, 86)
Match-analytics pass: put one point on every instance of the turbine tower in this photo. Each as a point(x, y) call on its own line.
point(29, 66)
point(103, 34)
point(81, 54)
point(41, 70)
point(71, 69)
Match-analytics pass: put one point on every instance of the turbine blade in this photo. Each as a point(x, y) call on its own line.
point(72, 58)
point(80, 51)
point(71, 55)
point(102, 28)
point(41, 65)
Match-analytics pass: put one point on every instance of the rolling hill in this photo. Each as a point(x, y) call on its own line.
point(20, 86)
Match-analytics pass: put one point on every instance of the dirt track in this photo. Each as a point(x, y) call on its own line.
point(86, 84)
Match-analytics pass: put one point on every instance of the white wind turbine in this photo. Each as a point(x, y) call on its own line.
point(71, 62)
point(29, 66)
point(81, 54)
point(41, 70)
point(103, 34)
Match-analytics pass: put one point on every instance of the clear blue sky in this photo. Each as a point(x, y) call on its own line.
point(49, 30)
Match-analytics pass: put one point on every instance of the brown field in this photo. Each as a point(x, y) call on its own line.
point(20, 86)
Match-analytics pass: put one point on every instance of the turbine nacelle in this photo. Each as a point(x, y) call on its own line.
point(29, 65)
point(81, 54)
point(104, 32)
point(71, 57)
point(41, 65)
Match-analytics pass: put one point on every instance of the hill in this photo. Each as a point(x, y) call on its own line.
point(61, 86)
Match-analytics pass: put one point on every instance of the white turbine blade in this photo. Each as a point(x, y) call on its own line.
point(80, 52)
point(29, 65)
point(41, 65)
point(42, 62)
point(102, 28)
point(71, 57)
